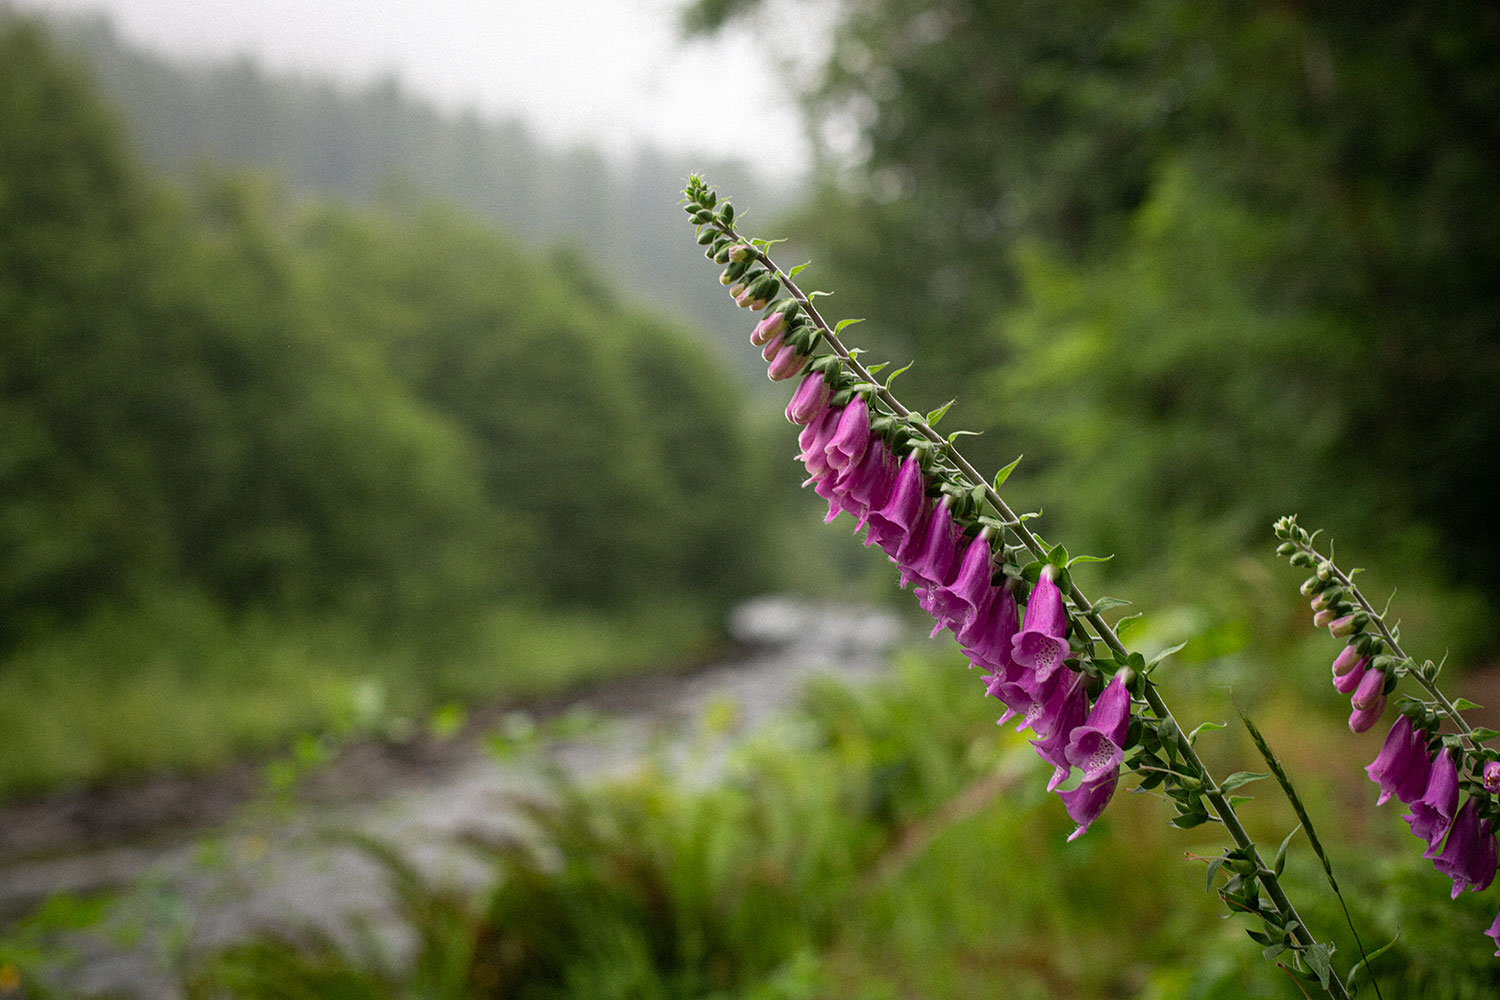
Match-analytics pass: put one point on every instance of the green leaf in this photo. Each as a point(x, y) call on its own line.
point(798, 269)
point(898, 371)
point(1189, 820)
point(1318, 957)
point(1464, 704)
point(1482, 734)
point(817, 295)
point(1213, 869)
point(1363, 965)
point(1164, 654)
point(877, 369)
point(1204, 727)
point(1004, 474)
point(839, 326)
point(958, 434)
point(934, 416)
point(1103, 604)
point(1240, 778)
point(1280, 862)
point(1088, 559)
point(1128, 622)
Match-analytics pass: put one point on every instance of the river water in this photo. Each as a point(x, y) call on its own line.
point(185, 894)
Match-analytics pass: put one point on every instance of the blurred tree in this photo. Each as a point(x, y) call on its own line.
point(1241, 256)
point(393, 416)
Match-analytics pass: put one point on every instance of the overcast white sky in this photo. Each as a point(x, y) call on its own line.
point(607, 72)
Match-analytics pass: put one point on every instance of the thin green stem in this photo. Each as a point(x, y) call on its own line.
point(1222, 808)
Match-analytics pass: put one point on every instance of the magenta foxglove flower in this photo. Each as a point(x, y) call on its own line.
point(1041, 643)
point(1431, 814)
point(1491, 776)
point(1086, 802)
point(810, 399)
point(901, 515)
point(1469, 856)
point(957, 602)
point(987, 637)
point(1068, 709)
point(867, 486)
point(849, 441)
point(1098, 745)
point(1494, 932)
point(932, 563)
point(814, 441)
point(1402, 767)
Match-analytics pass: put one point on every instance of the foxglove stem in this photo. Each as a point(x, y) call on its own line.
point(1223, 810)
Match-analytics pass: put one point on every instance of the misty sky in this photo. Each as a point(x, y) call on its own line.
point(608, 72)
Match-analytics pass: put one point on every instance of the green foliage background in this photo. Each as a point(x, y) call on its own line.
point(1203, 262)
point(266, 422)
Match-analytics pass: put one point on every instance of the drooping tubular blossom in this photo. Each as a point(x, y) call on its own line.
point(932, 562)
point(1494, 932)
point(901, 514)
point(810, 399)
point(1469, 856)
point(1099, 744)
point(1068, 709)
point(1042, 645)
point(957, 602)
point(1401, 768)
point(1431, 814)
point(1097, 747)
point(1491, 776)
point(1368, 701)
point(814, 441)
point(852, 437)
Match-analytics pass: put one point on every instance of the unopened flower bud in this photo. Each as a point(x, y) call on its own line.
point(1285, 549)
point(1325, 571)
point(773, 345)
point(787, 363)
point(1347, 661)
point(767, 328)
point(1347, 625)
point(1311, 586)
point(809, 401)
point(1371, 690)
point(1325, 618)
point(1302, 559)
point(739, 252)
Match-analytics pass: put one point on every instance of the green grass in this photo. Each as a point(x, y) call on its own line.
point(179, 686)
point(835, 860)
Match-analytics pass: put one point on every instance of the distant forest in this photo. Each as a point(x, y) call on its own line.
point(381, 143)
